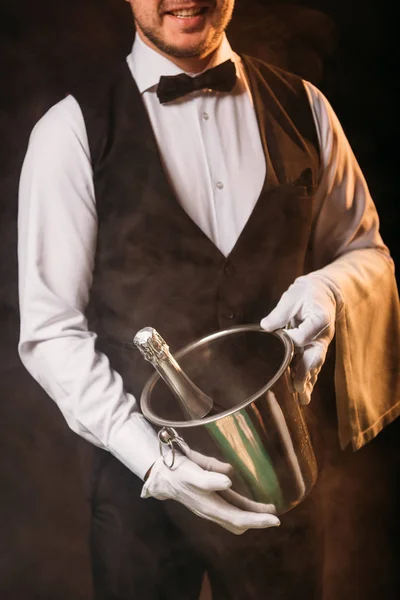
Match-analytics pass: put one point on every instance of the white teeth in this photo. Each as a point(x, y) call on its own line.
point(186, 13)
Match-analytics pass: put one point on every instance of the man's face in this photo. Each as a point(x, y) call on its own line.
point(183, 28)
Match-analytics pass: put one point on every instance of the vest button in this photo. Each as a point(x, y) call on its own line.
point(230, 314)
point(229, 269)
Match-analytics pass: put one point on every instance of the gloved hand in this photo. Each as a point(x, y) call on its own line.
point(309, 309)
point(197, 488)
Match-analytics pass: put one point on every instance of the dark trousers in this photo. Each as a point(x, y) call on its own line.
point(137, 553)
point(152, 550)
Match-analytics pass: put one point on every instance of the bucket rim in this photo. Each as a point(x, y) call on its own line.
point(151, 382)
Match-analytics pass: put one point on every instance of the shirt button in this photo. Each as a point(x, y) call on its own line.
point(220, 185)
point(206, 116)
point(230, 314)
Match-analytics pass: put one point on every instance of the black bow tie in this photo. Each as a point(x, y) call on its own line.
point(221, 78)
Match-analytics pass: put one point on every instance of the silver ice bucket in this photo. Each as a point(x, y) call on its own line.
point(257, 427)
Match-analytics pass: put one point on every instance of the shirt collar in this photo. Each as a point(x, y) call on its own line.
point(148, 65)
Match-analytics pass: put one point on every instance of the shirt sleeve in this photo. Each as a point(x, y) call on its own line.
point(57, 230)
point(346, 217)
point(349, 252)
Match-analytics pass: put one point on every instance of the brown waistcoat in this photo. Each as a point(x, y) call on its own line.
point(154, 266)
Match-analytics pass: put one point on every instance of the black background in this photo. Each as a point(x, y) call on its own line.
point(345, 47)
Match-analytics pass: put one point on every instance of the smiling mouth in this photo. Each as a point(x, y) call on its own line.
point(188, 13)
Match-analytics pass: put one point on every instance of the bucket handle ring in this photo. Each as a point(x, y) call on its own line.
point(167, 436)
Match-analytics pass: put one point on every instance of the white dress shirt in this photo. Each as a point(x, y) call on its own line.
point(212, 154)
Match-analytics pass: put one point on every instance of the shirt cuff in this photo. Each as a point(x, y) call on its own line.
point(136, 445)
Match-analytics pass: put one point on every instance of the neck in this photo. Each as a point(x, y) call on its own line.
point(192, 64)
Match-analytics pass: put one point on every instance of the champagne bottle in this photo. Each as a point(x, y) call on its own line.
point(195, 403)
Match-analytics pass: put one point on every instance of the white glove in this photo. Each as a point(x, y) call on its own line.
point(308, 308)
point(197, 487)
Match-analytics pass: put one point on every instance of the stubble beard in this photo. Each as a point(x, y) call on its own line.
point(202, 49)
